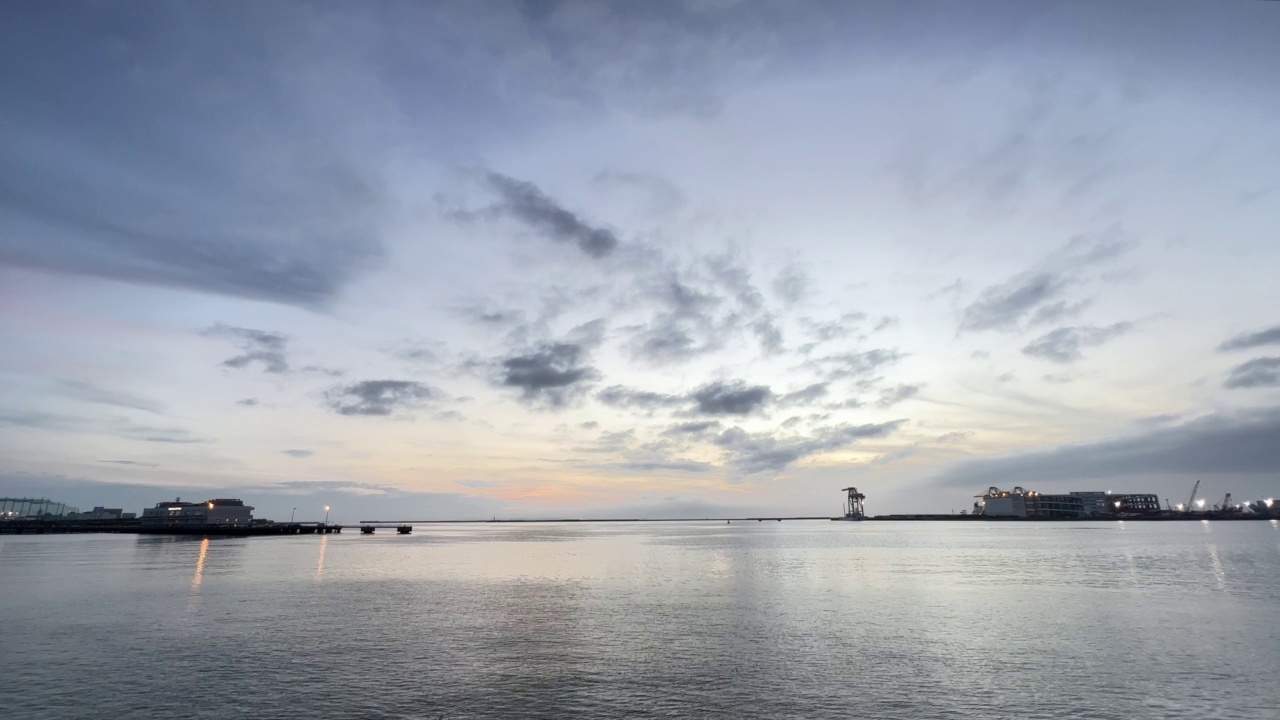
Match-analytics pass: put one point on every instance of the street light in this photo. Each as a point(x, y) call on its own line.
point(326, 514)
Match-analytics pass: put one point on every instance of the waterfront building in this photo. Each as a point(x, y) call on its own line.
point(1056, 506)
point(13, 508)
point(102, 513)
point(1003, 503)
point(1134, 504)
point(219, 511)
point(1021, 503)
point(1095, 502)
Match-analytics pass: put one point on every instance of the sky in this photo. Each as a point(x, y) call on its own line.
point(662, 259)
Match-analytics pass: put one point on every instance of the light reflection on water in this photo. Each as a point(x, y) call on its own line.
point(664, 620)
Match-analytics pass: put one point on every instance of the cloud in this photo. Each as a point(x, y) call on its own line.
point(806, 395)
point(94, 394)
point(753, 454)
point(648, 466)
point(1246, 341)
point(1220, 444)
point(1259, 372)
point(479, 484)
point(248, 402)
point(525, 202)
point(791, 285)
point(623, 397)
point(735, 398)
point(553, 373)
point(257, 346)
point(853, 365)
point(1003, 306)
point(113, 204)
point(121, 427)
point(1058, 312)
point(1064, 344)
point(697, 428)
point(894, 395)
point(378, 397)
point(298, 453)
point(133, 463)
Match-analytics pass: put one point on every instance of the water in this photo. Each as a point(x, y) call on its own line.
point(663, 620)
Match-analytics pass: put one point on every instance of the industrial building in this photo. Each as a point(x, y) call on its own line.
point(13, 508)
point(219, 511)
point(1021, 503)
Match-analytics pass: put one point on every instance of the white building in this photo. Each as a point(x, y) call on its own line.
point(219, 511)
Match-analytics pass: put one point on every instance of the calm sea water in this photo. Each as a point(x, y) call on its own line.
point(663, 620)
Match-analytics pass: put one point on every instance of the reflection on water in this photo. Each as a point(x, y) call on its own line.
point(779, 620)
point(324, 543)
point(199, 576)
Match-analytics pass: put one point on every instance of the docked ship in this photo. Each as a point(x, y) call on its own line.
point(854, 507)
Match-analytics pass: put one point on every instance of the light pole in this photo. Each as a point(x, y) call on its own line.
point(326, 514)
point(291, 515)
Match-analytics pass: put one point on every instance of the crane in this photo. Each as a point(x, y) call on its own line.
point(1192, 500)
point(1226, 503)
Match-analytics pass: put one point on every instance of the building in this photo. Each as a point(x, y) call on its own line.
point(1021, 503)
point(1056, 506)
point(13, 508)
point(1002, 503)
point(219, 511)
point(102, 513)
point(1134, 504)
point(1095, 502)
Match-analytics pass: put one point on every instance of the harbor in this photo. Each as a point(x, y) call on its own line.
point(231, 517)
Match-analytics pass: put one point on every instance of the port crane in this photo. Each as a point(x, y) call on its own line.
point(1226, 503)
point(1191, 502)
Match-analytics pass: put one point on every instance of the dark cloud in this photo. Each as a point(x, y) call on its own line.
point(257, 346)
point(248, 402)
point(1219, 444)
point(1064, 344)
point(378, 397)
point(753, 454)
point(1246, 341)
point(1004, 306)
point(552, 373)
point(733, 398)
point(894, 395)
point(525, 202)
point(298, 453)
point(1259, 372)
